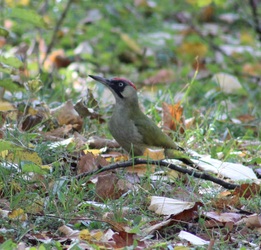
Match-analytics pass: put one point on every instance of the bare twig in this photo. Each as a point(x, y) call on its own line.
point(58, 24)
point(133, 162)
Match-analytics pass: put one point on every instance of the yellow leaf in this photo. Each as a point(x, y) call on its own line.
point(193, 49)
point(13, 3)
point(98, 235)
point(6, 106)
point(24, 155)
point(85, 235)
point(110, 157)
point(154, 153)
point(93, 151)
point(91, 236)
point(173, 174)
point(46, 167)
point(247, 38)
point(181, 248)
point(4, 153)
point(17, 214)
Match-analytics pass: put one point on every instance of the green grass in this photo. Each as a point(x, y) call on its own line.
point(56, 198)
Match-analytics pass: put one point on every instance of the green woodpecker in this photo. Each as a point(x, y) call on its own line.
point(131, 128)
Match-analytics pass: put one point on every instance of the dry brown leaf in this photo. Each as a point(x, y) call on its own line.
point(173, 117)
point(123, 239)
point(213, 223)
point(162, 76)
point(2, 41)
point(70, 233)
point(156, 227)
point(252, 69)
point(252, 221)
point(57, 59)
point(199, 65)
point(31, 121)
point(110, 217)
point(187, 214)
point(89, 162)
point(99, 142)
point(246, 118)
point(223, 217)
point(142, 169)
point(79, 140)
point(109, 186)
point(232, 198)
point(34, 114)
point(207, 13)
point(60, 132)
point(224, 202)
point(84, 108)
point(247, 190)
point(66, 114)
point(116, 226)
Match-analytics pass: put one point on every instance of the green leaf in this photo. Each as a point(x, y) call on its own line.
point(9, 244)
point(11, 61)
point(32, 168)
point(4, 32)
point(7, 145)
point(27, 15)
point(8, 84)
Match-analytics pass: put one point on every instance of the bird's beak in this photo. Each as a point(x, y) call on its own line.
point(102, 80)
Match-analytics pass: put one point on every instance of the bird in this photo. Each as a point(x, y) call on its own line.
point(130, 127)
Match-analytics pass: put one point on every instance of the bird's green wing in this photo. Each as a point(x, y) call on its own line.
point(152, 134)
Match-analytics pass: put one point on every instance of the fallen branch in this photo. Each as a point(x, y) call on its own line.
point(134, 162)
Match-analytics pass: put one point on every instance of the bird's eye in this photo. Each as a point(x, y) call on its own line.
point(120, 84)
